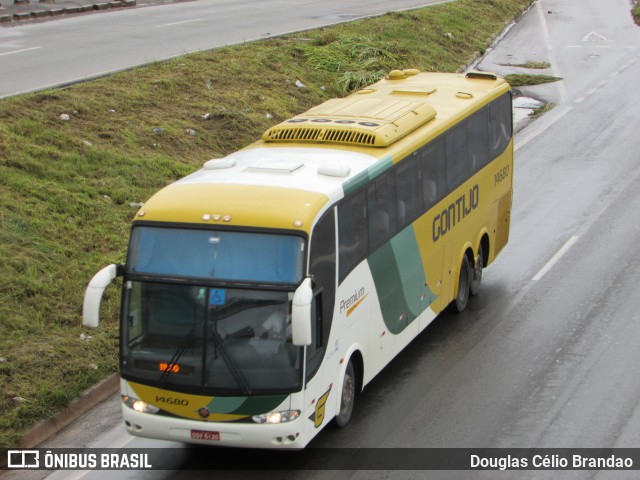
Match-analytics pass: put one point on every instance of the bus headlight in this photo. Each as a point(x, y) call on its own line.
point(277, 417)
point(139, 405)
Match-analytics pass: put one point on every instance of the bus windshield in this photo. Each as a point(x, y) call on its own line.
point(216, 255)
point(216, 340)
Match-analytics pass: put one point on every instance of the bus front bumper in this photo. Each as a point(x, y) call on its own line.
point(226, 434)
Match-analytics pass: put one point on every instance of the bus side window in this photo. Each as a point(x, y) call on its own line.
point(478, 140)
point(315, 351)
point(322, 266)
point(433, 169)
point(352, 221)
point(500, 125)
point(409, 191)
point(457, 152)
point(381, 205)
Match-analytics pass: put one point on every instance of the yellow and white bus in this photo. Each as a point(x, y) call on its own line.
point(264, 291)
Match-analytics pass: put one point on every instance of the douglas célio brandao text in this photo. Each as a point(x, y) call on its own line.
point(550, 462)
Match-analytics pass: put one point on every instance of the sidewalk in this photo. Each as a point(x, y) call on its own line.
point(13, 11)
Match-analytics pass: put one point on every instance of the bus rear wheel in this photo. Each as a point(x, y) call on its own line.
point(476, 273)
point(464, 285)
point(347, 396)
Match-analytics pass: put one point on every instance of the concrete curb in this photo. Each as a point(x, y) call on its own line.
point(45, 9)
point(78, 407)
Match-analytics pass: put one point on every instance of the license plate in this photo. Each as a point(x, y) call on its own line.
point(204, 435)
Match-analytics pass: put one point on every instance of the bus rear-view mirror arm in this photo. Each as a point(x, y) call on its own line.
point(95, 290)
point(301, 314)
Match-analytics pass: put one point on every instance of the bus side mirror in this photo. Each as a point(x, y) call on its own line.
point(301, 314)
point(93, 295)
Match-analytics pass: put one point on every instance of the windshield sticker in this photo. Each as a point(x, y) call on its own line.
point(218, 296)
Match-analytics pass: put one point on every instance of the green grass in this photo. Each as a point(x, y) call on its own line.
point(546, 107)
point(521, 80)
point(68, 189)
point(636, 12)
point(530, 64)
point(355, 60)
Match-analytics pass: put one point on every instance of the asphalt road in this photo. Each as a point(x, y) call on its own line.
point(549, 354)
point(38, 55)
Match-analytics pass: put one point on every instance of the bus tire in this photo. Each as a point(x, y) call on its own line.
point(464, 282)
point(476, 273)
point(347, 396)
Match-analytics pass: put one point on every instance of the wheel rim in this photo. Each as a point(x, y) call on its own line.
point(463, 289)
point(348, 394)
point(464, 285)
point(347, 397)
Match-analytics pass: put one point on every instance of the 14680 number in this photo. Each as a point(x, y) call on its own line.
point(501, 175)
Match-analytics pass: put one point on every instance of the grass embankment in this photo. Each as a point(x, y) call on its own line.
point(529, 64)
point(525, 79)
point(528, 79)
point(69, 185)
point(636, 12)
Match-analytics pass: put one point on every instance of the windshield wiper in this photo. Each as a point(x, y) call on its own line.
point(186, 342)
point(235, 372)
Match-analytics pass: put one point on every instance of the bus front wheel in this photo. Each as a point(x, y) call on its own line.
point(347, 397)
point(464, 285)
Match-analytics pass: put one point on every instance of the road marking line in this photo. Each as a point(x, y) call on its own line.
point(565, 248)
point(550, 51)
point(122, 441)
point(535, 131)
point(595, 35)
point(19, 51)
point(179, 23)
point(79, 474)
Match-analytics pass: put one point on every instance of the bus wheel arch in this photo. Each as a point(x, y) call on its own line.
point(350, 387)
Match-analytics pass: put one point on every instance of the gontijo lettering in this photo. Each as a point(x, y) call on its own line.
point(444, 221)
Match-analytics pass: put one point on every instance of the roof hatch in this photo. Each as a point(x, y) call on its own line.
point(275, 166)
